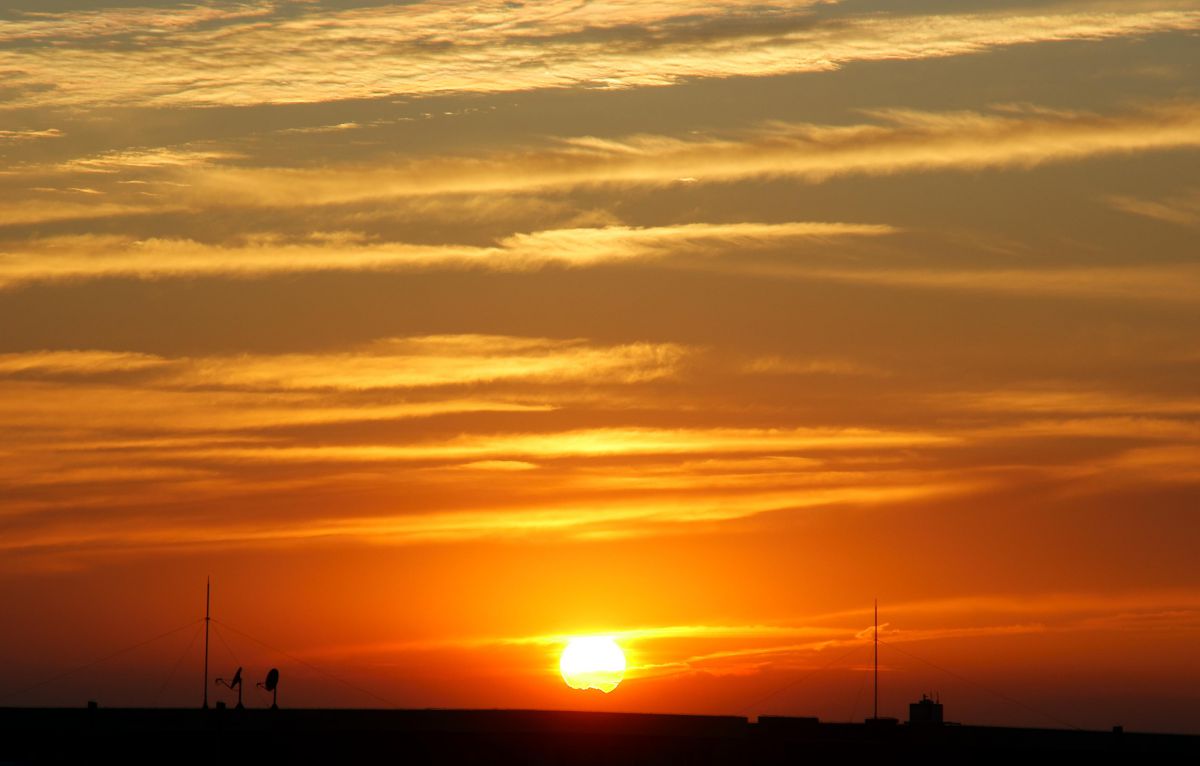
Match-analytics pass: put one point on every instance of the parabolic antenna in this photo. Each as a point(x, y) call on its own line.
point(236, 683)
point(272, 685)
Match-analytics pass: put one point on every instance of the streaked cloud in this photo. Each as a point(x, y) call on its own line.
point(208, 181)
point(614, 519)
point(1074, 400)
point(51, 410)
point(1173, 463)
point(94, 257)
point(1182, 209)
point(1176, 284)
point(39, 211)
point(779, 365)
point(77, 362)
point(1046, 605)
point(119, 21)
point(155, 158)
point(898, 141)
point(455, 360)
point(29, 135)
point(1128, 427)
point(197, 387)
point(597, 443)
point(439, 47)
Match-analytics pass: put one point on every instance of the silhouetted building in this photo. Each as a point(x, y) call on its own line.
point(297, 737)
point(927, 711)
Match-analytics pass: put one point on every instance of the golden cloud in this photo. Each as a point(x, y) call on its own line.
point(94, 257)
point(901, 141)
point(440, 47)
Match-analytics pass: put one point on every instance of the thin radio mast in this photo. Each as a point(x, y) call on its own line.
point(207, 618)
point(876, 658)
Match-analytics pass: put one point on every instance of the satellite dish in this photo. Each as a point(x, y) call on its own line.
point(235, 683)
point(272, 685)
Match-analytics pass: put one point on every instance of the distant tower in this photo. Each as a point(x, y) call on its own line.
point(207, 619)
point(875, 715)
point(875, 720)
point(926, 712)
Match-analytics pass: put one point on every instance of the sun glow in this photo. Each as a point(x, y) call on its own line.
point(592, 662)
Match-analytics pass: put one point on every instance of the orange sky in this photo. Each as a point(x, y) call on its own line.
point(438, 333)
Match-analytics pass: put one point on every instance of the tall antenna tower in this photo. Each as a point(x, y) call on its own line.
point(876, 659)
point(207, 619)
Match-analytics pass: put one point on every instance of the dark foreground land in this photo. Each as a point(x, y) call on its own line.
point(229, 736)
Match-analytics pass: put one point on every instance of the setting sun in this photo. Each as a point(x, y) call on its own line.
point(592, 662)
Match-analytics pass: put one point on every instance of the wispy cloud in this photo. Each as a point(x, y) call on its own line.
point(450, 360)
point(120, 21)
point(422, 362)
point(898, 141)
point(29, 135)
point(1182, 209)
point(85, 415)
point(1050, 399)
point(612, 519)
point(46, 408)
point(600, 442)
point(77, 362)
point(780, 365)
point(35, 211)
point(141, 429)
point(1175, 284)
point(213, 180)
point(93, 257)
point(1172, 464)
point(438, 47)
point(153, 158)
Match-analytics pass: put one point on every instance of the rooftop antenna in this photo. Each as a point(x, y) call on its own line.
point(237, 681)
point(207, 619)
point(271, 685)
point(876, 658)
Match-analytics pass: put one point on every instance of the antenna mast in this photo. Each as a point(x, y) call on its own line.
point(207, 618)
point(876, 658)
